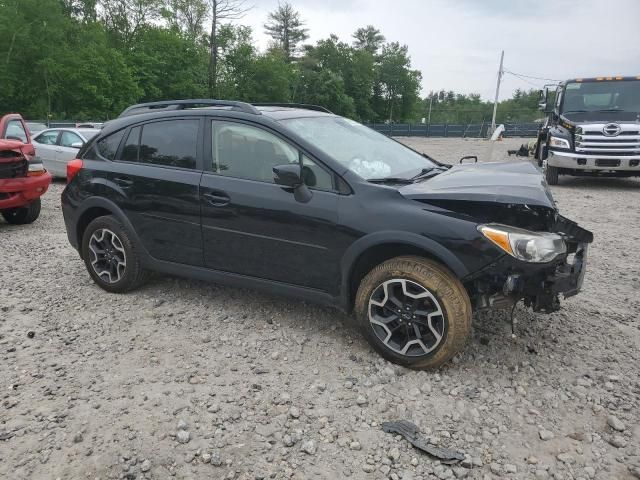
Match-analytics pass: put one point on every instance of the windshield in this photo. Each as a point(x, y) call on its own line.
point(361, 149)
point(618, 96)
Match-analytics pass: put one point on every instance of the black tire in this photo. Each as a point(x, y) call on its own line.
point(132, 275)
point(551, 174)
point(445, 287)
point(23, 215)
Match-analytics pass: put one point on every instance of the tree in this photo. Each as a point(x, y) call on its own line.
point(187, 16)
point(286, 28)
point(368, 38)
point(220, 11)
point(397, 85)
point(124, 18)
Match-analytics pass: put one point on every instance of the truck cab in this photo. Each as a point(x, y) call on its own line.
point(592, 127)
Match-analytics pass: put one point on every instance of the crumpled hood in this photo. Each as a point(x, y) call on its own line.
point(11, 150)
point(496, 182)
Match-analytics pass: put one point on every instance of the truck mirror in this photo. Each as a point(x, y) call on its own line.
point(543, 100)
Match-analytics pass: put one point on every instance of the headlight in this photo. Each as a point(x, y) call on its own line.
point(559, 142)
point(535, 247)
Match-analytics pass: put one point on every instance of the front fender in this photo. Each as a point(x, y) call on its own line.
point(429, 246)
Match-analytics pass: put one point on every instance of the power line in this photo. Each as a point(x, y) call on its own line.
point(530, 76)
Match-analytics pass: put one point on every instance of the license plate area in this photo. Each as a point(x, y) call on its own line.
point(607, 162)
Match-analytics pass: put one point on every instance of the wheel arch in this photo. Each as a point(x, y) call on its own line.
point(95, 207)
point(372, 250)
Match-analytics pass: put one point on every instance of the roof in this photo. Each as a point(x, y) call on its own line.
point(602, 79)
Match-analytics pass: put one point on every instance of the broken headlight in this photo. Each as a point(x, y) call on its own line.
point(535, 247)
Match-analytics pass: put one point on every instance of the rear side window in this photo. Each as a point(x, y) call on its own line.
point(108, 146)
point(170, 143)
point(131, 146)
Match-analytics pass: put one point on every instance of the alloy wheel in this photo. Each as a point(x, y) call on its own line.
point(108, 258)
point(406, 317)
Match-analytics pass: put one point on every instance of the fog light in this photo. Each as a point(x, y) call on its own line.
point(634, 163)
point(582, 161)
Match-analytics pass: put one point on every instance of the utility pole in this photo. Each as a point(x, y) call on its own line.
point(495, 102)
point(430, 105)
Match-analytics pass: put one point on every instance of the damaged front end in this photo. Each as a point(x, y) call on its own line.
point(538, 285)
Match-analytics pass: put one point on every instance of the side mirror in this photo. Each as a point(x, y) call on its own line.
point(76, 145)
point(290, 176)
point(543, 99)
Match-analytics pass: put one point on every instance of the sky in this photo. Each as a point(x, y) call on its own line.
point(457, 43)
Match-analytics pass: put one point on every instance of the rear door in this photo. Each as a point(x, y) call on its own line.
point(252, 226)
point(157, 170)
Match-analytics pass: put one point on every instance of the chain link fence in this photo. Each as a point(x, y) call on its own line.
point(459, 130)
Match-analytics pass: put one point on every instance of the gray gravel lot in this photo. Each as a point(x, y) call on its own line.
point(191, 380)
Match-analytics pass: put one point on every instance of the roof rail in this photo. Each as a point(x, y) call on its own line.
point(166, 105)
point(304, 106)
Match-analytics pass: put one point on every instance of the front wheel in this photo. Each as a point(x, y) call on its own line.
point(414, 312)
point(550, 173)
point(23, 215)
point(110, 256)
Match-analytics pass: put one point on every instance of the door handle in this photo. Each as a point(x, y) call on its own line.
point(217, 199)
point(123, 181)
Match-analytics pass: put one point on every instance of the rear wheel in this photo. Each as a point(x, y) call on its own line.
point(23, 215)
point(413, 312)
point(111, 257)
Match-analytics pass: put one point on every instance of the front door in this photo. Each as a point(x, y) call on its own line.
point(157, 170)
point(254, 227)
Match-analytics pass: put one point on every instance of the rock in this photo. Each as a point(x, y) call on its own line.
point(368, 468)
point(77, 438)
point(309, 447)
point(361, 400)
point(265, 430)
point(216, 460)
point(618, 441)
point(635, 471)
point(183, 436)
point(590, 472)
point(510, 468)
point(355, 446)
point(541, 474)
point(460, 472)
point(288, 441)
point(532, 460)
point(394, 454)
point(206, 458)
point(182, 425)
point(546, 435)
point(294, 412)
point(615, 423)
point(565, 458)
point(146, 466)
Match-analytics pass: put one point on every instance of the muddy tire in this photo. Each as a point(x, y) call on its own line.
point(111, 256)
point(413, 312)
point(23, 215)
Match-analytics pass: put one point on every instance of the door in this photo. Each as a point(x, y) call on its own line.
point(252, 226)
point(66, 152)
point(157, 172)
point(13, 128)
point(46, 144)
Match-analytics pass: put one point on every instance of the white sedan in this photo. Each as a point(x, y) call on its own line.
point(57, 146)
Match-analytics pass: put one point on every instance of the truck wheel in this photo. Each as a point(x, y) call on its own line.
point(413, 312)
point(23, 215)
point(111, 257)
point(550, 173)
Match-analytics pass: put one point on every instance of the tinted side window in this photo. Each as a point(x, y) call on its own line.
point(108, 146)
point(131, 146)
point(16, 130)
point(172, 143)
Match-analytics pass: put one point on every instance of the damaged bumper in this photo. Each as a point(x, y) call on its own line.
point(17, 192)
point(508, 280)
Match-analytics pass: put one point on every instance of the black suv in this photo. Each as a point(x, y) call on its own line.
point(295, 200)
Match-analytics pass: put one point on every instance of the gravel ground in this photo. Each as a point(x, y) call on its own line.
point(194, 380)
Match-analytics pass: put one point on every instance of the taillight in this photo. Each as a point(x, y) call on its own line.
point(73, 167)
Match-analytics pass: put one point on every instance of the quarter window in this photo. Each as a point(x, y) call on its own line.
point(108, 146)
point(47, 138)
point(131, 146)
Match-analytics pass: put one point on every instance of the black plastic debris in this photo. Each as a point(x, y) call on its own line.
point(410, 431)
point(31, 334)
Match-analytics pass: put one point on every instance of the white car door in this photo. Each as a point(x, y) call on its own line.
point(68, 146)
point(45, 144)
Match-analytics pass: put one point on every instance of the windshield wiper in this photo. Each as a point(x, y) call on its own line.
point(428, 172)
point(390, 180)
point(611, 110)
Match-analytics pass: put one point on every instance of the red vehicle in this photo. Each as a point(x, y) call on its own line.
point(23, 178)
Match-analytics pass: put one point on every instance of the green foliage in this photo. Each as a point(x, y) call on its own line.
point(89, 59)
